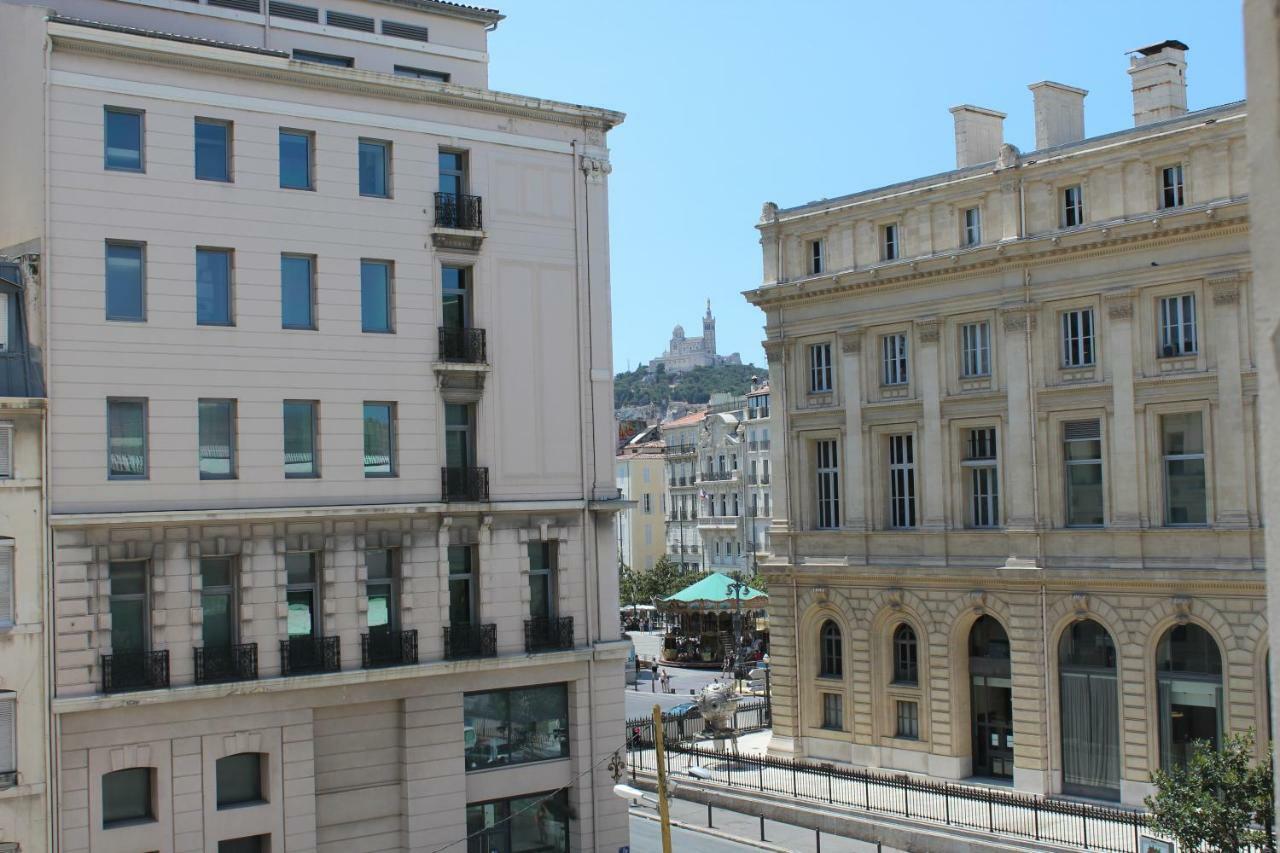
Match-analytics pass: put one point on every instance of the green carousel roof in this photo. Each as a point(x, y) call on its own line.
point(712, 593)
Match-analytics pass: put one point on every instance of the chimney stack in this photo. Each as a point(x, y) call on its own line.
point(1159, 73)
point(979, 134)
point(1059, 113)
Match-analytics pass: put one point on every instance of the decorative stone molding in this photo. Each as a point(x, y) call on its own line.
point(1225, 288)
point(1119, 304)
point(596, 168)
point(769, 212)
point(1182, 609)
point(1008, 157)
point(1020, 318)
point(929, 330)
point(821, 594)
point(773, 352)
point(978, 600)
point(894, 597)
point(1080, 605)
point(851, 342)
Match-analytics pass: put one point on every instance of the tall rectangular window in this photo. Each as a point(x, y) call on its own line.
point(1082, 448)
point(902, 481)
point(1072, 206)
point(1182, 443)
point(1172, 192)
point(828, 470)
point(984, 487)
point(975, 350)
point(8, 742)
point(1077, 338)
point(832, 711)
point(908, 719)
point(217, 439)
point(972, 226)
point(213, 150)
point(296, 160)
point(301, 429)
point(459, 449)
point(126, 281)
point(542, 580)
point(1178, 325)
point(455, 292)
point(126, 439)
point(380, 589)
point(379, 439)
point(453, 172)
point(375, 296)
point(122, 139)
point(213, 287)
point(302, 594)
point(218, 602)
point(816, 249)
point(819, 368)
point(130, 610)
point(375, 168)
point(893, 359)
point(297, 292)
point(889, 248)
point(462, 585)
point(6, 583)
point(514, 727)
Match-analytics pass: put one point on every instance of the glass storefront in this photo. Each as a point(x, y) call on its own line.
point(538, 823)
point(1090, 715)
point(504, 727)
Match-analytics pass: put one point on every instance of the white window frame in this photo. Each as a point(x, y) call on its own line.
point(827, 459)
point(890, 242)
point(971, 226)
point(1166, 458)
point(817, 256)
point(902, 482)
point(1173, 187)
point(975, 349)
point(1178, 332)
point(1079, 338)
point(893, 359)
point(1073, 208)
point(981, 459)
point(820, 368)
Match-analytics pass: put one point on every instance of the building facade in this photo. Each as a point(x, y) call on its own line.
point(642, 528)
point(297, 273)
point(1016, 476)
point(684, 354)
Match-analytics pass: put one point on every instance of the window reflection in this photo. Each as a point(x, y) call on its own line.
point(505, 727)
point(539, 822)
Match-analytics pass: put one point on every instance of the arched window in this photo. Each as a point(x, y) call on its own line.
point(831, 655)
point(991, 699)
point(906, 668)
point(1090, 711)
point(1189, 683)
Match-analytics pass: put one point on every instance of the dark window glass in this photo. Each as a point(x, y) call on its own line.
point(217, 602)
point(421, 74)
point(379, 439)
point(330, 59)
point(297, 292)
point(832, 711)
point(456, 312)
point(127, 439)
point(375, 162)
point(906, 667)
point(831, 653)
point(533, 823)
point(217, 439)
point(516, 726)
point(213, 150)
point(453, 172)
point(248, 844)
point(462, 598)
point(125, 289)
point(300, 458)
point(375, 296)
point(213, 287)
point(126, 796)
point(542, 596)
point(129, 610)
point(457, 436)
point(380, 588)
point(1186, 496)
point(239, 779)
point(302, 594)
point(122, 134)
point(908, 720)
point(295, 160)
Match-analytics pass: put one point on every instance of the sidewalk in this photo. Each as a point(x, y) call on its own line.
point(745, 829)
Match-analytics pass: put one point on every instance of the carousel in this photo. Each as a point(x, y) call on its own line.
point(714, 619)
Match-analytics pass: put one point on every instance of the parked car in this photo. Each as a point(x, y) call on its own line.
point(684, 710)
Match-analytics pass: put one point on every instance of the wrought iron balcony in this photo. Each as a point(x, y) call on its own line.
point(459, 211)
point(216, 664)
point(134, 671)
point(304, 655)
point(470, 641)
point(718, 475)
point(548, 635)
point(388, 648)
point(462, 346)
point(680, 449)
point(464, 484)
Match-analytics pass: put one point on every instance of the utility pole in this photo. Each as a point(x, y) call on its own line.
point(663, 814)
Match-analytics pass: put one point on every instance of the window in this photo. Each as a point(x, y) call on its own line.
point(218, 603)
point(894, 359)
point(889, 248)
point(126, 289)
point(462, 591)
point(984, 482)
point(453, 172)
point(213, 287)
point(380, 589)
point(1082, 448)
point(542, 580)
point(122, 137)
point(8, 740)
point(504, 727)
point(248, 844)
point(648, 504)
point(239, 779)
point(820, 368)
point(1189, 692)
point(126, 439)
point(831, 652)
point(828, 485)
point(972, 226)
point(1077, 338)
point(1178, 325)
point(375, 168)
point(816, 248)
point(213, 150)
point(421, 74)
point(397, 29)
point(459, 450)
point(130, 610)
point(302, 594)
point(1090, 713)
point(908, 719)
point(379, 439)
point(1072, 206)
point(906, 668)
point(455, 292)
point(6, 451)
point(1171, 187)
point(1184, 478)
point(536, 822)
point(6, 584)
point(217, 439)
point(832, 711)
point(902, 482)
point(297, 292)
point(375, 296)
point(296, 160)
point(127, 797)
point(331, 59)
point(300, 433)
point(975, 350)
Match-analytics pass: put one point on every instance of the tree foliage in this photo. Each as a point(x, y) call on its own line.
point(1220, 801)
point(665, 578)
point(643, 386)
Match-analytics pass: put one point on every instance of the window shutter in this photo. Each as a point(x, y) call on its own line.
point(1081, 430)
point(6, 451)
point(6, 583)
point(7, 708)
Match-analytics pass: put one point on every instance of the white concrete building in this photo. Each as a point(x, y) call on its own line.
point(299, 272)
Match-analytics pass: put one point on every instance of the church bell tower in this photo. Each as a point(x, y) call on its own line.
point(709, 332)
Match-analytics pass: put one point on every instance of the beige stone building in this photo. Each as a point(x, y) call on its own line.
point(1016, 476)
point(300, 270)
point(642, 526)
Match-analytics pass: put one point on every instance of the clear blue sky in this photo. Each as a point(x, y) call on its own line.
point(730, 104)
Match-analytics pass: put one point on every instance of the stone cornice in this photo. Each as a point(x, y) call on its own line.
point(1224, 582)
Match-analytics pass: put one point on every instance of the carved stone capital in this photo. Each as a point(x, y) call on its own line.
point(773, 352)
point(1020, 318)
point(1225, 288)
point(1119, 305)
point(595, 168)
point(929, 330)
point(978, 600)
point(895, 598)
point(851, 342)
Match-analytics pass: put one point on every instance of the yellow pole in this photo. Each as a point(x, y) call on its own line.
point(663, 815)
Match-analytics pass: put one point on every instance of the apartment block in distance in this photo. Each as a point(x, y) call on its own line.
point(300, 270)
point(1016, 453)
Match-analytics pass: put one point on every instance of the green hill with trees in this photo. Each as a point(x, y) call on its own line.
point(642, 385)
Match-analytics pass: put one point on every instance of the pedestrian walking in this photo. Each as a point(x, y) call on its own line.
point(653, 677)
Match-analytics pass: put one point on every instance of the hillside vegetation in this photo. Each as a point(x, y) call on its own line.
point(642, 386)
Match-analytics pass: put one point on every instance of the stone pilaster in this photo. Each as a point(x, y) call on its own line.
point(1122, 461)
point(775, 352)
point(1019, 324)
point(1231, 500)
point(854, 498)
point(931, 459)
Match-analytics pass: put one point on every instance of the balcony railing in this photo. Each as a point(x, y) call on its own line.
point(470, 641)
point(134, 671)
point(680, 449)
point(684, 480)
point(671, 481)
point(548, 635)
point(753, 479)
point(718, 475)
point(459, 211)
point(216, 664)
point(302, 655)
point(462, 346)
point(388, 648)
point(464, 484)
point(753, 445)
